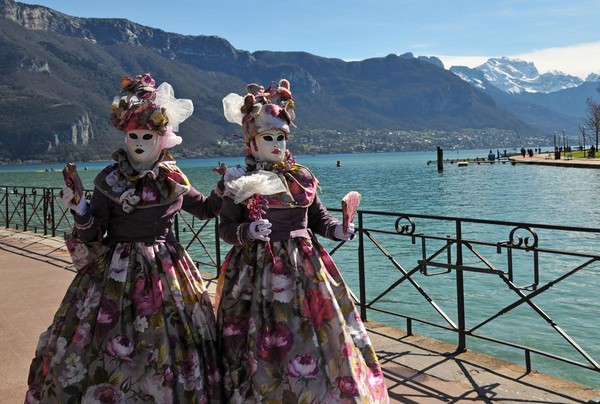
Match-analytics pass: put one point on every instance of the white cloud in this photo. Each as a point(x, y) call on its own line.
point(577, 60)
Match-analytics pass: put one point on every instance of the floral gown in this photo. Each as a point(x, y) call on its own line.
point(289, 331)
point(136, 325)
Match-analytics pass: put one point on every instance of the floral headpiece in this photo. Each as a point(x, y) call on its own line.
point(260, 110)
point(142, 106)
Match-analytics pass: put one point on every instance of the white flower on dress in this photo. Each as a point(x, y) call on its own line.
point(61, 345)
point(357, 330)
point(113, 181)
point(283, 288)
point(74, 372)
point(153, 386)
point(119, 264)
point(140, 324)
point(91, 301)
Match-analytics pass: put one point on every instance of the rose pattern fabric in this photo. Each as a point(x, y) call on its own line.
point(307, 347)
point(132, 342)
point(289, 331)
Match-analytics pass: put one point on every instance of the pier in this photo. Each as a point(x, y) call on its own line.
point(476, 160)
point(35, 271)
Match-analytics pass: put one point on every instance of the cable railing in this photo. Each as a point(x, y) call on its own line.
point(529, 288)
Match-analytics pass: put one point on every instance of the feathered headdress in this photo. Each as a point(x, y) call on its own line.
point(142, 106)
point(260, 110)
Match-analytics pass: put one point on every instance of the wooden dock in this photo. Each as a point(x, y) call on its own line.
point(477, 160)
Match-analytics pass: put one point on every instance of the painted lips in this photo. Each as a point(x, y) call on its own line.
point(276, 151)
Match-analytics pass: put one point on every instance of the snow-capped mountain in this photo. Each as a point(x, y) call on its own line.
point(516, 76)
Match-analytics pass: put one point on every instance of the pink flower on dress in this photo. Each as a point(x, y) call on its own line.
point(120, 347)
point(234, 326)
point(150, 193)
point(275, 342)
point(376, 382)
point(147, 295)
point(104, 393)
point(347, 350)
point(167, 372)
point(108, 315)
point(347, 386)
point(189, 372)
point(82, 335)
point(304, 366)
point(317, 308)
point(328, 261)
point(175, 176)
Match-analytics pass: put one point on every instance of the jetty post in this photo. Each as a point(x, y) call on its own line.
point(440, 159)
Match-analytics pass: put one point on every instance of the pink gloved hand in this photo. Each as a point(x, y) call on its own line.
point(260, 230)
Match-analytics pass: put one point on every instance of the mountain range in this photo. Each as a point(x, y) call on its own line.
point(59, 74)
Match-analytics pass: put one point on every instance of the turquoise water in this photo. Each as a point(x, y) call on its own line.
point(404, 182)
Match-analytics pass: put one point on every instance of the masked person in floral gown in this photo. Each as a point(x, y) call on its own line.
point(136, 325)
point(289, 331)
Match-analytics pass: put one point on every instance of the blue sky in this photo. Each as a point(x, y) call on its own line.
point(553, 34)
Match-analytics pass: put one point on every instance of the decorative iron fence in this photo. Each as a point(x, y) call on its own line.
point(525, 287)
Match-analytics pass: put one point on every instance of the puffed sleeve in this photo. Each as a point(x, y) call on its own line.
point(233, 228)
point(92, 225)
point(320, 220)
point(200, 205)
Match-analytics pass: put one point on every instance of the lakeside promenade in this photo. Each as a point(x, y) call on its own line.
point(547, 159)
point(35, 271)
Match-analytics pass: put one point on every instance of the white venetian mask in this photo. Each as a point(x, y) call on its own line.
point(271, 146)
point(143, 147)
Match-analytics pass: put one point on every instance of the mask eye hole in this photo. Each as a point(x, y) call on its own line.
point(280, 138)
point(133, 136)
point(268, 138)
point(147, 136)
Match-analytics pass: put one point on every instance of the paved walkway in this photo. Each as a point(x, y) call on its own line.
point(35, 271)
point(548, 159)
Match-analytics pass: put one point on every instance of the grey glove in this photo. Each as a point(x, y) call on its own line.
point(67, 195)
point(340, 235)
point(233, 173)
point(260, 230)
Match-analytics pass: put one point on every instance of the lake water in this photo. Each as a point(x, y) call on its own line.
point(404, 182)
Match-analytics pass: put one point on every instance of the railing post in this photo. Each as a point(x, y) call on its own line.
point(45, 208)
point(460, 290)
point(6, 207)
point(52, 215)
point(24, 202)
point(217, 245)
point(361, 269)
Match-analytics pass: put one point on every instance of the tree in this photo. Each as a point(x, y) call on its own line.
point(582, 133)
point(592, 118)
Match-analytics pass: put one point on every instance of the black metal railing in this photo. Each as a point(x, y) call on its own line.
point(526, 287)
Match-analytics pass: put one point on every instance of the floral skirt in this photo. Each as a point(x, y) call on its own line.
point(289, 331)
point(136, 326)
